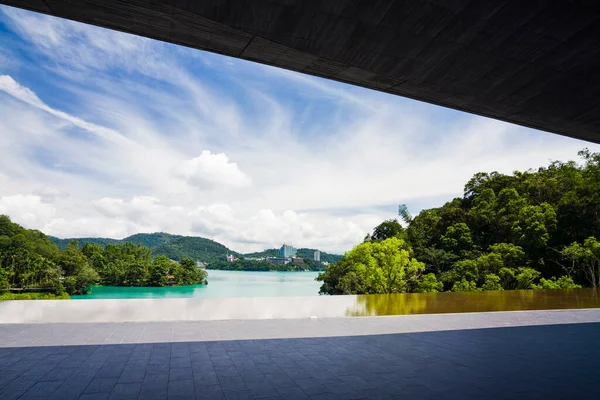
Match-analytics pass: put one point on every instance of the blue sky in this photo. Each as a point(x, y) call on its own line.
point(108, 134)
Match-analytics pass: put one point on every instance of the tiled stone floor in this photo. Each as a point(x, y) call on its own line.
point(501, 355)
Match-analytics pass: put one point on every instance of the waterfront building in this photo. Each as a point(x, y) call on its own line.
point(317, 255)
point(279, 260)
point(287, 251)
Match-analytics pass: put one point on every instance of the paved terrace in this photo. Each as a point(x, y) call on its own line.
point(525, 354)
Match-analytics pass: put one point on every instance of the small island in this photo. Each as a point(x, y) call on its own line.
point(33, 267)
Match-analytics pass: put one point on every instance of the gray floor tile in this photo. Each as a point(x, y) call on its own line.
point(153, 394)
point(101, 385)
point(42, 389)
point(182, 388)
point(552, 361)
point(209, 392)
point(178, 374)
point(95, 396)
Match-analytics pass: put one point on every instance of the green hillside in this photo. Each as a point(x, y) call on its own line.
point(63, 243)
point(177, 247)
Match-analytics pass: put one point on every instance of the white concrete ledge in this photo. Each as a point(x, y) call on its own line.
point(162, 310)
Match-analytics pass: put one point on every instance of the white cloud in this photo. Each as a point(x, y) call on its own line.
point(10, 86)
point(27, 209)
point(126, 135)
point(209, 170)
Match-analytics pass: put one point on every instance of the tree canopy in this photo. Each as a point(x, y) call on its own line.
point(536, 229)
point(30, 261)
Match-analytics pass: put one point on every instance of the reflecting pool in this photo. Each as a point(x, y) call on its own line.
point(238, 308)
point(458, 302)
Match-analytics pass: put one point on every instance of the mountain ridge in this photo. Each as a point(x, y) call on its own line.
point(177, 247)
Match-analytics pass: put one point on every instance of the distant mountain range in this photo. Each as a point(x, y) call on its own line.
point(177, 247)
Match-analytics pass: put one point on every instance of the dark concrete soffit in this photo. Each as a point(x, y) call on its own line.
point(535, 64)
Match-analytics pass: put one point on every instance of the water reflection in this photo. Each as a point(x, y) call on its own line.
point(507, 300)
point(280, 307)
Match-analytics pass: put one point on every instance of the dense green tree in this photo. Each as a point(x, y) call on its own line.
point(464, 285)
point(29, 261)
point(564, 282)
point(187, 274)
point(387, 229)
point(587, 258)
point(159, 270)
point(375, 267)
point(457, 239)
point(428, 283)
point(492, 282)
point(437, 260)
point(81, 281)
point(508, 232)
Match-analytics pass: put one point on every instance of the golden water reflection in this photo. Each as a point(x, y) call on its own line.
point(458, 302)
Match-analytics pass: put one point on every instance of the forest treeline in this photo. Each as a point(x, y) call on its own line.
point(30, 261)
point(529, 230)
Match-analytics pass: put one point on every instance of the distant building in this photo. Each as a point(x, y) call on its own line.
point(317, 255)
point(279, 260)
point(200, 264)
point(325, 263)
point(287, 251)
point(297, 260)
point(230, 258)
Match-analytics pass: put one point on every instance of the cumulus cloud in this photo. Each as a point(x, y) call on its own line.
point(27, 209)
point(210, 170)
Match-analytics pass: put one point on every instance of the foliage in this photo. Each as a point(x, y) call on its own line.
point(30, 261)
point(387, 229)
point(464, 285)
point(509, 232)
point(375, 267)
point(492, 282)
point(33, 296)
point(586, 258)
point(175, 247)
point(428, 283)
point(564, 282)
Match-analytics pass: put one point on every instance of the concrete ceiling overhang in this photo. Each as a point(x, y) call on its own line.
point(532, 63)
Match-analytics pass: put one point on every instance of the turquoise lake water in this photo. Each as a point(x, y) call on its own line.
point(221, 284)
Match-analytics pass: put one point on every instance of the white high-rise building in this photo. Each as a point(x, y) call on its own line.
point(317, 255)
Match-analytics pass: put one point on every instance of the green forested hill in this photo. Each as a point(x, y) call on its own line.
point(63, 243)
point(175, 247)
